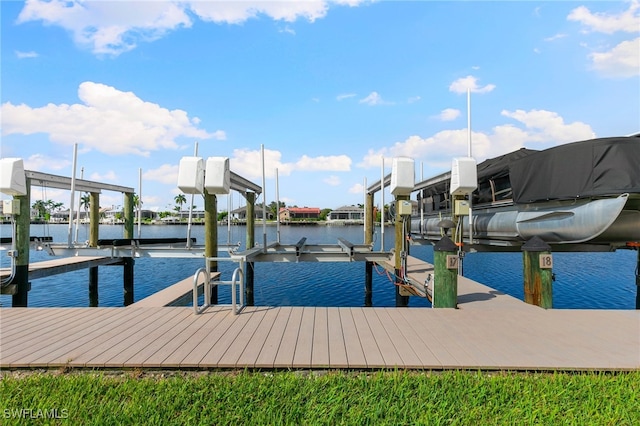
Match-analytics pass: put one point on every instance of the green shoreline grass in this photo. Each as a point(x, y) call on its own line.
point(331, 398)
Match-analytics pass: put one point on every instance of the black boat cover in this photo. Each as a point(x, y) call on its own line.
point(592, 168)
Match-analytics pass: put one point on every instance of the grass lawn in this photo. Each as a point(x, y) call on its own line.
point(310, 398)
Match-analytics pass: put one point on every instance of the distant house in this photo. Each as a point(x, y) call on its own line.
point(111, 215)
point(297, 213)
point(346, 213)
point(241, 213)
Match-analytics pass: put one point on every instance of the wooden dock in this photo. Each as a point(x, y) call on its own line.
point(490, 330)
point(62, 265)
point(319, 337)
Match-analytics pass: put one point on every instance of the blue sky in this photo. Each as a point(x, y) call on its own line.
point(328, 87)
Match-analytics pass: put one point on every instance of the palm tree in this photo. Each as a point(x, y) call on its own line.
point(136, 202)
point(180, 199)
point(85, 201)
point(41, 208)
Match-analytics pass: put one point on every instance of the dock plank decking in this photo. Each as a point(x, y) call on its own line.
point(490, 330)
point(308, 337)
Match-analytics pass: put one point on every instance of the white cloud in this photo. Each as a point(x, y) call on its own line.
point(248, 163)
point(24, 55)
point(622, 61)
point(108, 120)
point(237, 12)
point(332, 180)
point(39, 162)
point(152, 202)
point(555, 37)
point(110, 176)
point(345, 96)
point(287, 30)
point(469, 82)
point(166, 173)
point(413, 99)
point(538, 128)
point(358, 188)
point(335, 163)
point(373, 99)
point(449, 114)
point(548, 126)
point(626, 21)
point(109, 28)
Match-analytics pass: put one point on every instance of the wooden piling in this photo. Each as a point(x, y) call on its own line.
point(23, 223)
point(368, 239)
point(128, 262)
point(127, 278)
point(211, 237)
point(445, 286)
point(538, 275)
point(638, 280)
point(94, 218)
point(128, 215)
point(93, 286)
point(368, 279)
point(402, 298)
point(250, 243)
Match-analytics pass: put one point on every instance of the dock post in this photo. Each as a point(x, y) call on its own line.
point(368, 279)
point(445, 284)
point(538, 276)
point(402, 297)
point(93, 286)
point(128, 215)
point(128, 262)
point(368, 239)
point(211, 237)
point(638, 280)
point(127, 278)
point(250, 243)
point(23, 222)
point(94, 218)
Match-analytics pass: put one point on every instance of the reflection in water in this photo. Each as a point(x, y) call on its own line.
point(583, 280)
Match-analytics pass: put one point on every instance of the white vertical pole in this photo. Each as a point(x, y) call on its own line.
point(364, 210)
point(195, 154)
point(73, 193)
point(139, 206)
point(469, 152)
point(469, 122)
point(78, 212)
point(277, 208)
point(264, 203)
point(422, 199)
point(229, 219)
point(382, 204)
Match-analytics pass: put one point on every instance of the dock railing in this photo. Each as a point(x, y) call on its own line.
point(237, 281)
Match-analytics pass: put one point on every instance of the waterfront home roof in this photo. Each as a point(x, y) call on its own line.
point(301, 209)
point(349, 209)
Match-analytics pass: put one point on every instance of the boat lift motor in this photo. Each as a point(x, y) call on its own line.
point(464, 180)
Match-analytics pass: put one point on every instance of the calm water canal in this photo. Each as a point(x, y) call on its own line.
point(583, 280)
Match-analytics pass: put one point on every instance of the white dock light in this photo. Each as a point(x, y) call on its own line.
point(191, 175)
point(217, 178)
point(12, 178)
point(402, 176)
point(464, 176)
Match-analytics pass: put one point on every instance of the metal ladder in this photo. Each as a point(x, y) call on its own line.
point(237, 280)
